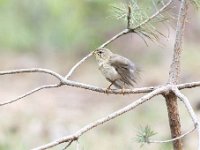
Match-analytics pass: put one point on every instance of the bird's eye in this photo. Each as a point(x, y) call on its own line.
point(100, 52)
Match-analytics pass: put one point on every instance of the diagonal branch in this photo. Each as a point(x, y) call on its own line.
point(123, 32)
point(190, 110)
point(30, 93)
point(103, 120)
point(33, 70)
point(68, 144)
point(77, 65)
point(158, 12)
point(174, 139)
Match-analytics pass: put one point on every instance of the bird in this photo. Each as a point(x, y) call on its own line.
point(118, 70)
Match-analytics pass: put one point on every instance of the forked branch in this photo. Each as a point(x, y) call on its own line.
point(103, 120)
point(65, 82)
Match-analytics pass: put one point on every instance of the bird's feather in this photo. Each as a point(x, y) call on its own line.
point(126, 69)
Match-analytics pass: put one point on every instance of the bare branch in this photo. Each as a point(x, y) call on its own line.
point(30, 93)
point(82, 85)
point(187, 104)
point(77, 65)
point(174, 139)
point(91, 53)
point(33, 70)
point(104, 90)
point(174, 76)
point(68, 144)
point(188, 85)
point(174, 72)
point(126, 91)
point(158, 12)
point(129, 17)
point(104, 119)
point(77, 145)
point(190, 110)
point(125, 31)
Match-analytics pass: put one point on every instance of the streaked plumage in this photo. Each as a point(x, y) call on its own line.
point(120, 71)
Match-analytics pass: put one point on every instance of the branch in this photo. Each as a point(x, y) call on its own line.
point(154, 15)
point(77, 65)
point(188, 85)
point(129, 17)
point(68, 144)
point(190, 110)
point(104, 90)
point(174, 139)
point(187, 104)
point(174, 75)
point(83, 86)
point(174, 72)
point(123, 32)
point(30, 93)
point(103, 120)
point(33, 70)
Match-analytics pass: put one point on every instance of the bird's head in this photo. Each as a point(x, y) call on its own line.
point(102, 54)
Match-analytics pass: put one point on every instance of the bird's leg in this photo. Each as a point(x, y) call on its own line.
point(109, 87)
point(123, 89)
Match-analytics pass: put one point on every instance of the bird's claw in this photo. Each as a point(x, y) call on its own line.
point(107, 91)
point(123, 91)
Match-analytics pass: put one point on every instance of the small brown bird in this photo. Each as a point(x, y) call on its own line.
point(120, 71)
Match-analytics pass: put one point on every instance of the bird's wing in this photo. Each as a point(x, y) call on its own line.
point(126, 69)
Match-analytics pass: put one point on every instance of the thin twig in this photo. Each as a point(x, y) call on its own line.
point(77, 145)
point(187, 104)
point(174, 139)
point(91, 53)
point(68, 144)
point(103, 120)
point(123, 32)
point(129, 17)
point(190, 110)
point(30, 93)
point(77, 65)
point(154, 15)
point(33, 70)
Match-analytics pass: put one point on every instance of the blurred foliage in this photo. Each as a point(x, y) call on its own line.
point(196, 3)
point(144, 133)
point(27, 25)
point(52, 24)
point(140, 12)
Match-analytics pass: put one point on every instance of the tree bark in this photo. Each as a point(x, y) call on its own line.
point(174, 75)
point(174, 120)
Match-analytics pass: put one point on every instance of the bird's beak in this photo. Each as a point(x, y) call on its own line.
point(94, 52)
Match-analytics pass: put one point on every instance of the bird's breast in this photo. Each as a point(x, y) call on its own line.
point(109, 72)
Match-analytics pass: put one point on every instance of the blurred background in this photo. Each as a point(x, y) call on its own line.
point(55, 34)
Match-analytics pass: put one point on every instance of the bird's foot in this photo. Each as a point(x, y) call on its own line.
point(123, 91)
point(109, 88)
point(107, 91)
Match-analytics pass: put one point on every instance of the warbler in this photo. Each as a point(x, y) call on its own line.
point(118, 70)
